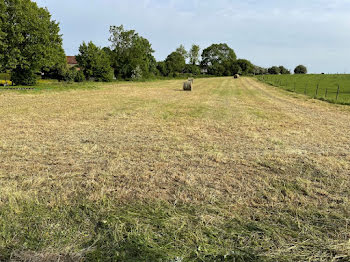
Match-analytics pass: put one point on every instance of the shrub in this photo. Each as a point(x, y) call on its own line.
point(79, 76)
point(22, 76)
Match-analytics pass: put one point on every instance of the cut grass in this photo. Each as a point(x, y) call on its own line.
point(234, 171)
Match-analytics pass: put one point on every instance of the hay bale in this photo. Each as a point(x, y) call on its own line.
point(236, 76)
point(191, 80)
point(187, 86)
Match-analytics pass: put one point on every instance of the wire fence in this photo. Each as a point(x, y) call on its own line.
point(331, 88)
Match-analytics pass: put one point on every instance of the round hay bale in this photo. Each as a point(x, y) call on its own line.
point(236, 76)
point(187, 86)
point(191, 80)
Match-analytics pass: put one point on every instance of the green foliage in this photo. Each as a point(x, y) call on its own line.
point(162, 68)
point(79, 76)
point(246, 66)
point(284, 71)
point(192, 69)
point(300, 69)
point(274, 70)
point(175, 63)
point(94, 62)
point(193, 54)
point(130, 51)
point(218, 59)
point(236, 69)
point(24, 76)
point(260, 70)
point(182, 51)
point(30, 40)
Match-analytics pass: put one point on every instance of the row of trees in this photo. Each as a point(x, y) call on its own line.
point(31, 44)
point(275, 70)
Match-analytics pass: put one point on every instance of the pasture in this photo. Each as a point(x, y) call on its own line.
point(323, 87)
point(235, 170)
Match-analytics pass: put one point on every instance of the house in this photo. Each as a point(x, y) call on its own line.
point(71, 61)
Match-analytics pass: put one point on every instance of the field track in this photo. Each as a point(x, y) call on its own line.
point(235, 165)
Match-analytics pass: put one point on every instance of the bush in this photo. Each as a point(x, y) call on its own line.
point(79, 76)
point(192, 69)
point(300, 69)
point(26, 77)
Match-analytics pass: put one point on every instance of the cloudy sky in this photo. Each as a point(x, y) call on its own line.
point(315, 33)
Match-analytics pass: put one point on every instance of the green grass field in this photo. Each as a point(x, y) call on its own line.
point(234, 171)
point(324, 87)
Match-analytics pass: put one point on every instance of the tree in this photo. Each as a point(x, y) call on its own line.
point(175, 63)
point(218, 59)
point(300, 69)
point(236, 69)
point(194, 54)
point(284, 71)
point(130, 52)
point(275, 70)
point(192, 69)
point(260, 70)
point(94, 62)
point(162, 68)
point(182, 51)
point(29, 40)
point(246, 66)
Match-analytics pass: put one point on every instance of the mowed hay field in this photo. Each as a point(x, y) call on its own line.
point(234, 171)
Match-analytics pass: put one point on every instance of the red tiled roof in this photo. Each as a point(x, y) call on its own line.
point(71, 60)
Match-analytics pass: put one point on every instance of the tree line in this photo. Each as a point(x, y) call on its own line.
point(31, 45)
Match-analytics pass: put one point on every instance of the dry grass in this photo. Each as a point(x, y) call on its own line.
point(145, 172)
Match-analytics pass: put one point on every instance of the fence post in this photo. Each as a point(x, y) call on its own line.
point(305, 89)
point(317, 90)
point(294, 87)
point(338, 92)
point(325, 95)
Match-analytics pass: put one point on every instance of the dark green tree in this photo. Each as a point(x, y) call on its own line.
point(284, 71)
point(192, 69)
point(218, 59)
point(246, 66)
point(194, 54)
point(30, 40)
point(236, 69)
point(162, 69)
point(274, 70)
point(300, 69)
point(131, 52)
point(94, 63)
point(175, 63)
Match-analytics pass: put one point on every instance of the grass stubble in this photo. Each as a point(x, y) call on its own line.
point(234, 171)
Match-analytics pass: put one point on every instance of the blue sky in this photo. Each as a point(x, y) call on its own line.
point(315, 33)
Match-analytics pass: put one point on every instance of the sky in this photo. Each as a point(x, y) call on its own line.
point(315, 33)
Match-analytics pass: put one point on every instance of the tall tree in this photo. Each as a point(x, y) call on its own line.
point(182, 51)
point(218, 59)
point(30, 40)
point(246, 66)
point(175, 63)
point(131, 52)
point(94, 62)
point(194, 54)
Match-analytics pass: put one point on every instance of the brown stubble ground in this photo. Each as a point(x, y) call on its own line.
point(252, 149)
